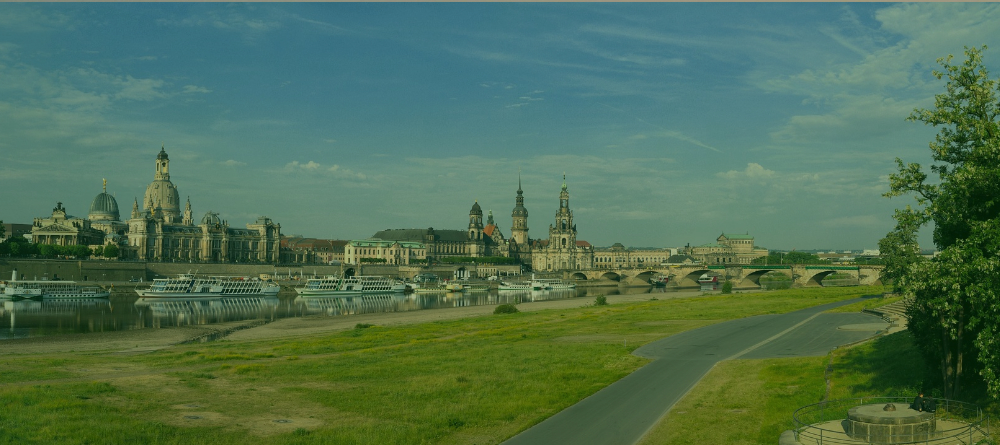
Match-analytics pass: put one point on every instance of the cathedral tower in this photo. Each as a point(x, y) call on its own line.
point(161, 192)
point(476, 222)
point(563, 234)
point(519, 229)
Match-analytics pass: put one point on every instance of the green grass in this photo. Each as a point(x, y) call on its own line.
point(477, 380)
point(752, 401)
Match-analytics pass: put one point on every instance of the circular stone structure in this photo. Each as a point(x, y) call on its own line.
point(873, 424)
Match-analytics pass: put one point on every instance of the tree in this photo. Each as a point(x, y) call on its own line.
point(111, 251)
point(953, 315)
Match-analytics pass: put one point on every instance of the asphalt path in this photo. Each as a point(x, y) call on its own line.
point(624, 411)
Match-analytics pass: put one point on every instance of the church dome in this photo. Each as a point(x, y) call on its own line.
point(476, 210)
point(211, 219)
point(104, 208)
point(163, 194)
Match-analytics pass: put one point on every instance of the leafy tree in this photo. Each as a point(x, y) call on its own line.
point(3, 229)
point(46, 249)
point(111, 251)
point(953, 314)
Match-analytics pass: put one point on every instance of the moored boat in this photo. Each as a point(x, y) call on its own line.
point(190, 286)
point(708, 279)
point(659, 280)
point(51, 289)
point(334, 286)
point(514, 285)
point(551, 284)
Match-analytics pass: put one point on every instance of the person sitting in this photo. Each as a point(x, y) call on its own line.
point(918, 402)
point(930, 405)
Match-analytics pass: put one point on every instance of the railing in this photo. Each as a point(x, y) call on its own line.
point(810, 419)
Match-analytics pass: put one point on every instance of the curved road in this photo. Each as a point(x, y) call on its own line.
point(623, 412)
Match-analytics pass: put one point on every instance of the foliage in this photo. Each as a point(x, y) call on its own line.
point(373, 260)
point(111, 251)
point(76, 250)
point(601, 300)
point(952, 316)
point(793, 257)
point(727, 287)
point(478, 260)
point(3, 229)
point(506, 309)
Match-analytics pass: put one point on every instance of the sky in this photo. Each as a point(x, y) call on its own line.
point(672, 122)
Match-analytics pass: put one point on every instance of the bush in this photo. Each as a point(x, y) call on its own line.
point(506, 309)
point(601, 300)
point(727, 287)
point(363, 325)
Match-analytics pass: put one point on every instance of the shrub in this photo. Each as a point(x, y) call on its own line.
point(601, 300)
point(506, 309)
point(363, 325)
point(727, 287)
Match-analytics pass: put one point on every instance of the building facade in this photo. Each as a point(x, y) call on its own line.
point(619, 257)
point(728, 249)
point(562, 251)
point(161, 232)
point(62, 229)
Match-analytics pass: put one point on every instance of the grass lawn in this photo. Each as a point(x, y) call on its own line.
point(472, 381)
point(752, 401)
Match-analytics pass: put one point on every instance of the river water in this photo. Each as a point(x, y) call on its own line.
point(124, 310)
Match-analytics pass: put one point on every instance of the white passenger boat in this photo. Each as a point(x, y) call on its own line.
point(514, 285)
point(548, 284)
point(51, 289)
point(333, 286)
point(190, 286)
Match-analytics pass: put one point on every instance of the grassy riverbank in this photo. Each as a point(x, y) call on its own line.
point(752, 401)
point(477, 380)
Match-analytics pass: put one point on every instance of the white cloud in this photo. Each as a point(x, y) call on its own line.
point(233, 163)
point(753, 171)
point(196, 89)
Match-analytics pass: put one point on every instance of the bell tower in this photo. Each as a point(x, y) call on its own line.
point(563, 234)
point(519, 217)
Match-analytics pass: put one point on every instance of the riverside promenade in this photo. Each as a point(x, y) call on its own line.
point(623, 412)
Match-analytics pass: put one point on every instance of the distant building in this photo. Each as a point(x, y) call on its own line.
point(562, 251)
point(160, 232)
point(296, 249)
point(384, 251)
point(618, 256)
point(62, 229)
point(16, 231)
point(728, 249)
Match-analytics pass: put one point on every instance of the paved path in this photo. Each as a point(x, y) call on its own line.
point(623, 412)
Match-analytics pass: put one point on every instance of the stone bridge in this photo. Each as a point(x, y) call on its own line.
point(742, 276)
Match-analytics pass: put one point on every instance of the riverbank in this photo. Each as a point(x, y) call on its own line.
point(413, 379)
point(152, 339)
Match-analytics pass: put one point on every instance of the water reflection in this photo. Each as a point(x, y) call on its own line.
point(124, 310)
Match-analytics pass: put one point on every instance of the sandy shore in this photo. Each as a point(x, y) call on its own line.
point(151, 339)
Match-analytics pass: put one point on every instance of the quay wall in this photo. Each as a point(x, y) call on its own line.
point(116, 271)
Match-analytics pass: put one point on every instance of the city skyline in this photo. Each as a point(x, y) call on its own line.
point(672, 122)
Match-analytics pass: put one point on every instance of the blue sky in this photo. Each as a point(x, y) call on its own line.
point(673, 122)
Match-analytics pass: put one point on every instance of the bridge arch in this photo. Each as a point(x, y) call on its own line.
point(578, 276)
point(645, 276)
point(611, 276)
point(691, 278)
point(752, 277)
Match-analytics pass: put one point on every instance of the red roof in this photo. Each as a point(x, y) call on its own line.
point(582, 244)
point(489, 229)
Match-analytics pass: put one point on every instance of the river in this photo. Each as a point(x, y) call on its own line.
point(124, 310)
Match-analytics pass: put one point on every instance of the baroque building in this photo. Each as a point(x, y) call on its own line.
point(104, 216)
point(161, 232)
point(62, 229)
point(728, 248)
point(562, 250)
